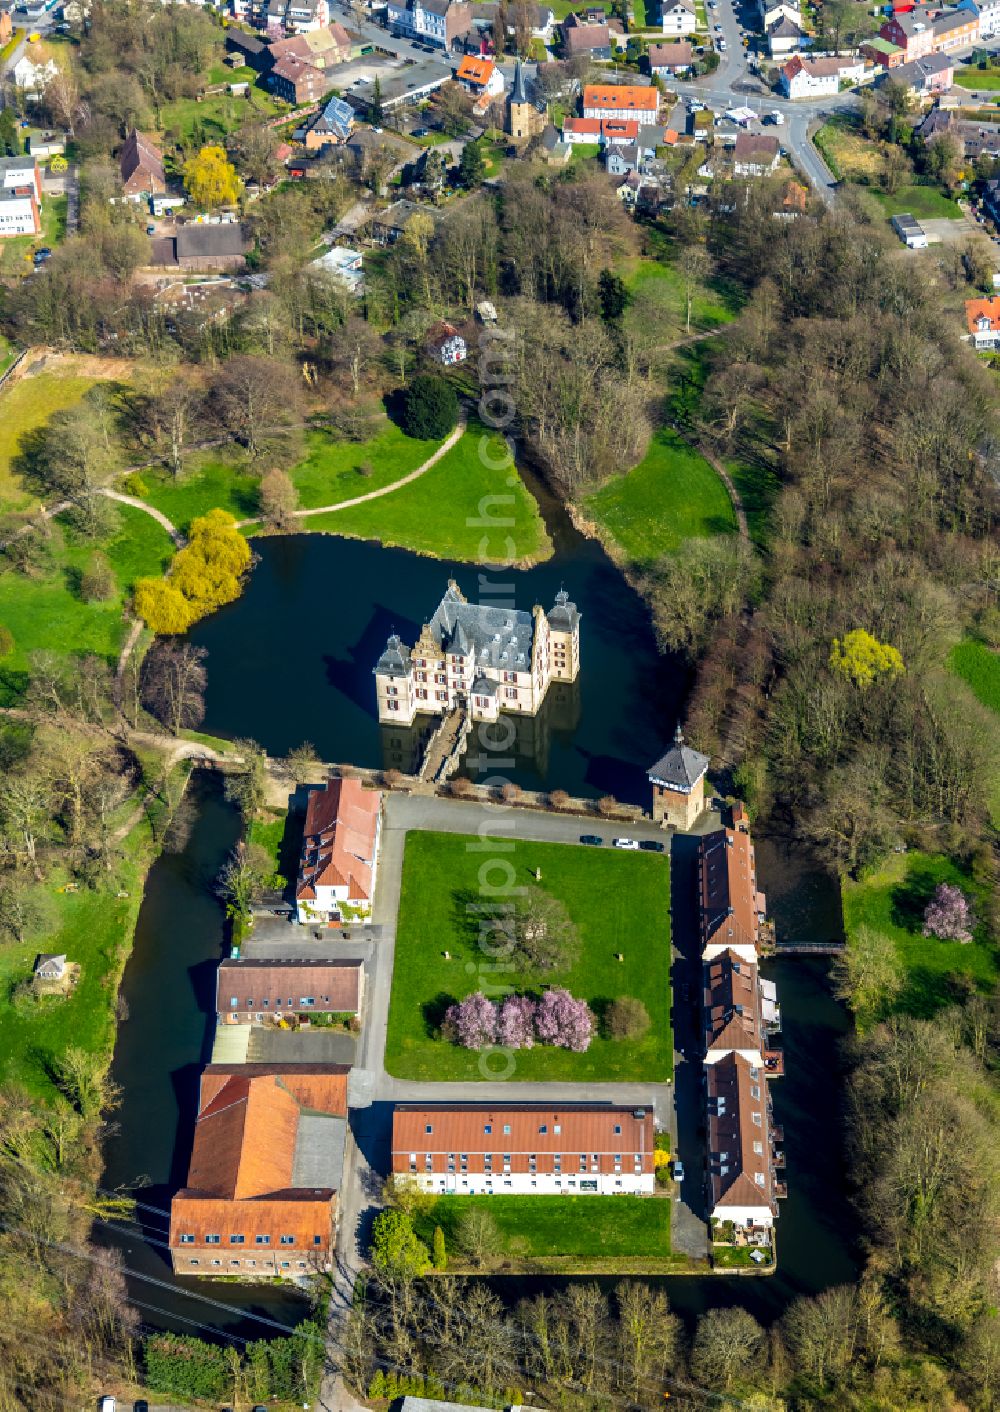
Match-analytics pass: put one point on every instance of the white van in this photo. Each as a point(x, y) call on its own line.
point(108, 1404)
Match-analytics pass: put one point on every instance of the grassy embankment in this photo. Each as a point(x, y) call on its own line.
point(563, 1234)
point(619, 902)
point(855, 160)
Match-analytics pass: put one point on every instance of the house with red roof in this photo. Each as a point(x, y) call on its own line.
point(480, 77)
point(336, 881)
point(982, 316)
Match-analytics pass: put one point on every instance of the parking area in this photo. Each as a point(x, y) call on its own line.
point(942, 231)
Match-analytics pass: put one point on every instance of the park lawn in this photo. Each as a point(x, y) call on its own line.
point(986, 79)
point(25, 405)
point(15, 252)
point(979, 666)
point(212, 485)
point(49, 614)
point(580, 151)
point(921, 202)
point(672, 495)
point(892, 901)
point(547, 1228)
point(218, 115)
point(620, 903)
point(443, 512)
point(330, 472)
point(93, 929)
point(664, 304)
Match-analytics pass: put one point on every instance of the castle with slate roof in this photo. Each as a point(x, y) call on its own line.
point(490, 658)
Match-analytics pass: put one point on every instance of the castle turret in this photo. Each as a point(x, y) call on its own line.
point(678, 780)
point(564, 638)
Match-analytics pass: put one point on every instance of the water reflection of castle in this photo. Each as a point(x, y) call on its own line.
point(523, 740)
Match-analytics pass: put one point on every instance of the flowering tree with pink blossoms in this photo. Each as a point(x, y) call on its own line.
point(948, 915)
point(516, 1029)
point(561, 1020)
point(472, 1023)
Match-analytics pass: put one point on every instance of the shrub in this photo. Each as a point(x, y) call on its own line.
point(439, 1255)
point(564, 1021)
point(516, 1025)
point(135, 485)
point(6, 641)
point(98, 582)
point(429, 408)
point(948, 915)
point(626, 1018)
point(558, 798)
point(607, 804)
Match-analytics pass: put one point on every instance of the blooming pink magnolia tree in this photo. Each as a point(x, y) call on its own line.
point(948, 915)
point(516, 1029)
point(561, 1020)
point(473, 1021)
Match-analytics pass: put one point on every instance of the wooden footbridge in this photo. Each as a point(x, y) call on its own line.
point(808, 948)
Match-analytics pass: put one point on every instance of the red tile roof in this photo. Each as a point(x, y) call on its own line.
point(739, 1175)
point(475, 71)
point(727, 887)
point(731, 1008)
point(339, 840)
point(616, 97)
point(976, 309)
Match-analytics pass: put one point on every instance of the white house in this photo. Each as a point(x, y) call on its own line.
point(345, 264)
point(480, 77)
point(785, 36)
point(447, 345)
point(815, 78)
point(988, 14)
point(32, 78)
point(20, 197)
point(525, 1149)
point(771, 10)
point(340, 844)
point(982, 317)
point(678, 17)
point(438, 22)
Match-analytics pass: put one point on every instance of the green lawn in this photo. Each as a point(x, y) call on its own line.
point(928, 202)
point(15, 252)
point(212, 485)
point(580, 151)
point(892, 901)
point(619, 902)
point(672, 495)
point(330, 471)
point(48, 613)
point(24, 405)
point(218, 115)
point(660, 300)
point(978, 665)
point(546, 1230)
point(986, 79)
point(441, 513)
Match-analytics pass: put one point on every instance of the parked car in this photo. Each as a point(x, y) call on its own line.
point(722, 45)
point(140, 1405)
point(41, 255)
point(108, 1404)
point(420, 132)
point(650, 845)
point(592, 839)
point(678, 1171)
point(626, 843)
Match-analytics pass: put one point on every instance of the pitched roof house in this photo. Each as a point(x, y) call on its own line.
point(297, 81)
point(634, 100)
point(678, 17)
point(729, 905)
point(578, 38)
point(731, 1009)
point(982, 317)
point(756, 154)
point(339, 852)
point(266, 1164)
point(253, 990)
point(670, 58)
point(480, 77)
point(740, 1166)
point(333, 125)
point(141, 165)
point(531, 1149)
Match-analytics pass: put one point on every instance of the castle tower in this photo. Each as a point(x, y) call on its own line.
point(678, 780)
point(564, 639)
point(523, 118)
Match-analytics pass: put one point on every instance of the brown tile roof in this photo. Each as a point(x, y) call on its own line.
point(281, 985)
point(339, 839)
point(680, 55)
point(141, 164)
point(301, 1214)
point(739, 1174)
point(731, 1008)
point(758, 147)
point(585, 38)
point(536, 1128)
point(321, 1087)
point(244, 1140)
point(727, 889)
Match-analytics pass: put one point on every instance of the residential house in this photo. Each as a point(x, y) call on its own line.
point(987, 12)
point(592, 40)
point(977, 139)
point(910, 231)
point(31, 75)
point(920, 33)
point(49, 967)
point(623, 158)
point(785, 36)
point(771, 10)
point(438, 22)
point(480, 77)
point(340, 844)
point(53, 975)
point(303, 16)
point(814, 78)
point(991, 200)
point(199, 246)
point(389, 225)
point(488, 658)
point(256, 992)
point(678, 17)
point(540, 16)
point(332, 126)
point(266, 1167)
point(446, 345)
point(983, 319)
point(731, 1009)
point(345, 264)
point(729, 906)
point(666, 60)
point(678, 780)
point(525, 1149)
point(756, 154)
point(931, 74)
point(329, 46)
point(552, 149)
point(20, 197)
point(882, 52)
point(297, 82)
point(140, 163)
point(604, 131)
point(740, 1162)
point(621, 101)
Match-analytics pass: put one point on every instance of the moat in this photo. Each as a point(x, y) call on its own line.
point(291, 661)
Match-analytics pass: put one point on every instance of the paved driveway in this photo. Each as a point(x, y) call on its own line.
point(942, 231)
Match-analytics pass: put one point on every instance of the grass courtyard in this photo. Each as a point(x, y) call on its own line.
point(979, 666)
point(892, 901)
point(619, 902)
point(568, 1234)
point(672, 495)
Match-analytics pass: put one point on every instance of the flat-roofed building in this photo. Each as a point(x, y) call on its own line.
point(526, 1149)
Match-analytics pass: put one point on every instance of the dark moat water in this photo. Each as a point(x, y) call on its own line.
point(292, 661)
